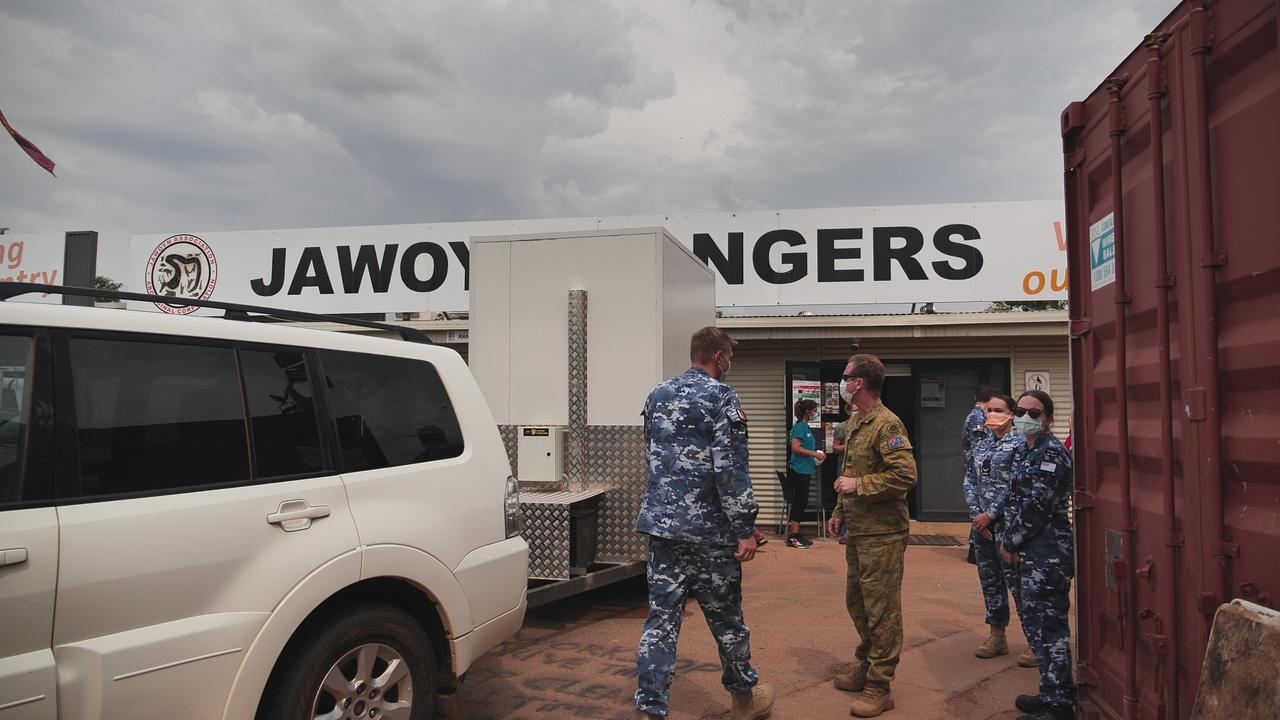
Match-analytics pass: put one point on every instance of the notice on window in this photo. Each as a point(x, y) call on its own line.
point(831, 398)
point(1102, 251)
point(933, 391)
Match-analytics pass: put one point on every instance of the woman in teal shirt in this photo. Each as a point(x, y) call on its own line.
point(801, 468)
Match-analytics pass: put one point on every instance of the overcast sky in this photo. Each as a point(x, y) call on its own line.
point(205, 115)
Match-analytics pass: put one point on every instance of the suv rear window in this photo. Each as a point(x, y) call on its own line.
point(155, 417)
point(390, 411)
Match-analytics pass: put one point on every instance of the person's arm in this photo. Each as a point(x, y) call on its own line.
point(729, 463)
point(1044, 480)
point(971, 487)
point(899, 475)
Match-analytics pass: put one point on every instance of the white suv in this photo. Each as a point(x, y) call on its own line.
point(208, 518)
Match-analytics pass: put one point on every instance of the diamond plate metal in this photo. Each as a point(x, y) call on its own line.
point(510, 439)
point(575, 442)
point(617, 461)
point(547, 530)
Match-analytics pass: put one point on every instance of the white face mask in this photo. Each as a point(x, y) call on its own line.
point(1029, 427)
point(725, 372)
point(845, 394)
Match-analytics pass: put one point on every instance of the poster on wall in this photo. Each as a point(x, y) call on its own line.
point(831, 398)
point(807, 390)
point(933, 391)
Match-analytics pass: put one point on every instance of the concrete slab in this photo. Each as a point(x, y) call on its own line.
point(576, 658)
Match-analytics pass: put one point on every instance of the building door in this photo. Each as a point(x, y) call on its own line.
point(944, 396)
point(820, 382)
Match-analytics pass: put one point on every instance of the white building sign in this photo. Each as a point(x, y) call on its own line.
point(33, 258)
point(901, 254)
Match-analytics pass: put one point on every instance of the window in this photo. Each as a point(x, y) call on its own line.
point(390, 411)
point(282, 413)
point(15, 412)
point(157, 417)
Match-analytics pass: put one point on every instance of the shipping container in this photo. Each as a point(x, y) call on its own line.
point(1172, 183)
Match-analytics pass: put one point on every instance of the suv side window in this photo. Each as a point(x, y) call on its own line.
point(282, 413)
point(15, 411)
point(156, 417)
point(389, 411)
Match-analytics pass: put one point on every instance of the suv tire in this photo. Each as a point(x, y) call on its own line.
point(372, 657)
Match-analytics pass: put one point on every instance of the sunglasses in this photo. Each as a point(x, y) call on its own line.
point(1035, 413)
point(851, 378)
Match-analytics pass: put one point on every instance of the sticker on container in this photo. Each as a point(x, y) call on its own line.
point(1102, 251)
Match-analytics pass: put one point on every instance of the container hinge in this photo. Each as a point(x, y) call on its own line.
point(1193, 402)
point(1085, 500)
point(1209, 603)
point(1159, 644)
point(1174, 540)
point(1081, 327)
point(1213, 260)
point(1224, 549)
point(1166, 281)
point(1074, 159)
point(1123, 298)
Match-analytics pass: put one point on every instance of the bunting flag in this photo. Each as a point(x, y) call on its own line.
point(41, 159)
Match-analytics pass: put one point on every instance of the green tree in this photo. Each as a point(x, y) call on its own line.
point(1026, 305)
point(102, 282)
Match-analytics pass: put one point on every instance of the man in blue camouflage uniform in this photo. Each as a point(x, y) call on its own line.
point(699, 513)
point(1037, 536)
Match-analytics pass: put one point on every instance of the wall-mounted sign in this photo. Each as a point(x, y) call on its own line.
point(1038, 380)
point(933, 391)
point(457, 336)
point(33, 258)
point(900, 254)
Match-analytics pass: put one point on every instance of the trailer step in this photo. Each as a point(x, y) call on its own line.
point(599, 575)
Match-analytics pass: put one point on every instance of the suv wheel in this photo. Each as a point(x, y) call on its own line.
point(371, 662)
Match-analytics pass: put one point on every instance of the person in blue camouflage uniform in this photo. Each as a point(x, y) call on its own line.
point(986, 488)
point(699, 513)
point(1037, 536)
point(971, 432)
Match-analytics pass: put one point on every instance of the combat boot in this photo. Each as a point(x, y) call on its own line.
point(873, 701)
point(852, 681)
point(642, 715)
point(1052, 712)
point(994, 645)
point(755, 704)
point(1028, 659)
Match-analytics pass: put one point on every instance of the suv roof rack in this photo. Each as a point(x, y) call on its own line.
point(232, 311)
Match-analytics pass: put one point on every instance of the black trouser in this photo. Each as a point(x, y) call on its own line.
point(799, 492)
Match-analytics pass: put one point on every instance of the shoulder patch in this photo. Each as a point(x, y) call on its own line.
point(1048, 466)
point(736, 415)
point(893, 428)
point(896, 442)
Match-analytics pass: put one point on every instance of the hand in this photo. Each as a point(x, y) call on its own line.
point(1008, 557)
point(746, 549)
point(819, 456)
point(982, 522)
point(986, 533)
point(835, 526)
point(846, 485)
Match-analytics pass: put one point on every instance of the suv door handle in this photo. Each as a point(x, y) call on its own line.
point(296, 515)
point(13, 556)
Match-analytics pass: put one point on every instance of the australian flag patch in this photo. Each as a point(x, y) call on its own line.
point(896, 442)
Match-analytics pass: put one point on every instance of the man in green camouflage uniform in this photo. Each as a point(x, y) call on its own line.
point(879, 470)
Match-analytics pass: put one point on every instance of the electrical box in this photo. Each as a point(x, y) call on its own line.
point(540, 454)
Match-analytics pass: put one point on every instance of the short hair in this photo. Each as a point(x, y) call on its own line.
point(1042, 396)
point(984, 393)
point(707, 342)
point(1003, 398)
point(802, 407)
point(869, 368)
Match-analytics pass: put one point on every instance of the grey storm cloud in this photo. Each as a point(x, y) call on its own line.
point(211, 115)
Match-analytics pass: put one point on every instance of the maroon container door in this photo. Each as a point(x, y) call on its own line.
point(1175, 350)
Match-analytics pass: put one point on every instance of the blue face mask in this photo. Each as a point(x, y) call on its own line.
point(1027, 426)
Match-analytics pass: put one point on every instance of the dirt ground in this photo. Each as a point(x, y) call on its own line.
point(576, 658)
